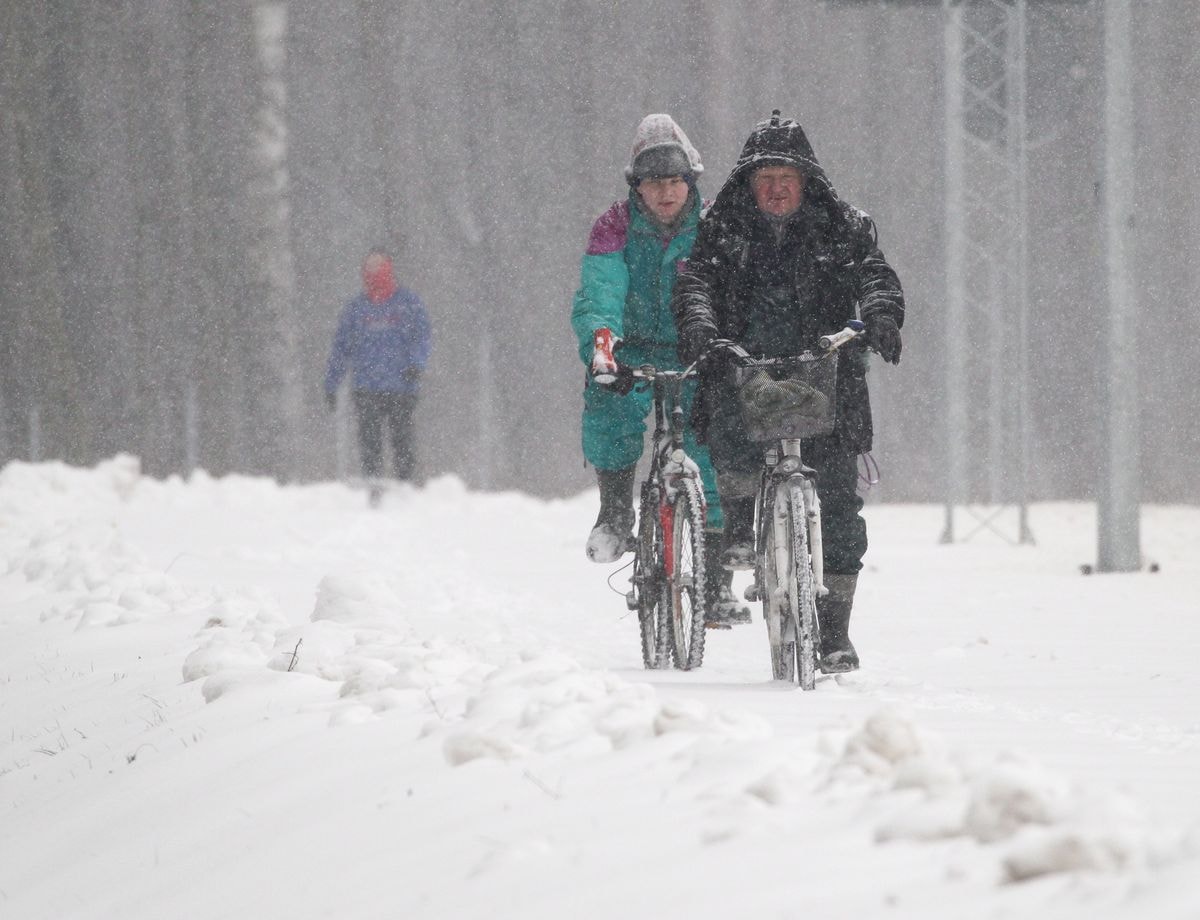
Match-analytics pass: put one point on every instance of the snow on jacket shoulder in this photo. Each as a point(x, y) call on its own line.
point(377, 343)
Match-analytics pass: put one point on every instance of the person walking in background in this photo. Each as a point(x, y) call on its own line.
point(623, 301)
point(779, 261)
point(383, 341)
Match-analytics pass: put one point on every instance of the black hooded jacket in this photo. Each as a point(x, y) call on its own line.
point(775, 290)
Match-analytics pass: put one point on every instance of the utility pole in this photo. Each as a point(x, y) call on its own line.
point(1118, 540)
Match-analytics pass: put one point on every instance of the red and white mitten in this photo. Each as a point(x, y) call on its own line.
point(604, 362)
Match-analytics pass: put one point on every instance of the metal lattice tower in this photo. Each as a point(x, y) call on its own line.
point(987, 321)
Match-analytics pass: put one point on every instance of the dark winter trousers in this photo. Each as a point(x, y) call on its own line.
point(843, 530)
point(373, 411)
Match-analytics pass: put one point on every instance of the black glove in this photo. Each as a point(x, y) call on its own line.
point(883, 335)
point(724, 353)
point(412, 375)
point(620, 384)
point(331, 400)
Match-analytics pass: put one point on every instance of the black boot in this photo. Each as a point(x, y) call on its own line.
point(723, 609)
point(612, 535)
point(833, 614)
point(738, 551)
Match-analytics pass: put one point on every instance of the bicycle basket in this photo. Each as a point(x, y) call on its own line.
point(796, 399)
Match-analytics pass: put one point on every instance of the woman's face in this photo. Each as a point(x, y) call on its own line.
point(664, 197)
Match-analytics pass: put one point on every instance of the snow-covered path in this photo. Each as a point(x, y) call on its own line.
point(232, 699)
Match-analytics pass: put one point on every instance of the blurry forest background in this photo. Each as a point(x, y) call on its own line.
point(187, 190)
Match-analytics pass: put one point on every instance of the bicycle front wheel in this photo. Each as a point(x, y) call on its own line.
point(685, 577)
point(802, 590)
point(789, 592)
point(774, 582)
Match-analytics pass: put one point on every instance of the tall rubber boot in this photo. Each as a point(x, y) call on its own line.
point(612, 535)
point(723, 609)
point(738, 552)
point(833, 615)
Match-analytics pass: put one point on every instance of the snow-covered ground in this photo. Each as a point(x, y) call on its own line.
point(234, 699)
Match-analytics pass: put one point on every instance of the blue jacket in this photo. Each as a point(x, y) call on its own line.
point(380, 342)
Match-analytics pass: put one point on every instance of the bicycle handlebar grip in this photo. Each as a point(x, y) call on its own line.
point(838, 339)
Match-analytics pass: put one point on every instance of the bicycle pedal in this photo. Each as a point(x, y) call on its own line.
point(631, 600)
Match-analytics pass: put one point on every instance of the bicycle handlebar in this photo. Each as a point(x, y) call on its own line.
point(826, 345)
point(649, 371)
point(853, 329)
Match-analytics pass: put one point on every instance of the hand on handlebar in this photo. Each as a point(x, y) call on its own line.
point(605, 368)
point(620, 380)
point(723, 352)
point(883, 335)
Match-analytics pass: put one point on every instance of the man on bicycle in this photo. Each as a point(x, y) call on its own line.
point(627, 275)
point(780, 260)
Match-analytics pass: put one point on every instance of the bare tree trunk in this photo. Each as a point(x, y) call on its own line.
point(45, 381)
point(272, 254)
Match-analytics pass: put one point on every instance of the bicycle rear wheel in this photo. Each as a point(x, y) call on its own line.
point(685, 577)
point(648, 583)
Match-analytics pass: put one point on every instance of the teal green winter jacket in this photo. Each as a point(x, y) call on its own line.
point(626, 281)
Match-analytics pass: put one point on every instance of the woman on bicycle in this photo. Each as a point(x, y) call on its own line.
point(627, 276)
point(779, 260)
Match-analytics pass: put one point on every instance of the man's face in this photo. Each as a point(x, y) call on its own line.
point(664, 197)
point(374, 265)
point(777, 190)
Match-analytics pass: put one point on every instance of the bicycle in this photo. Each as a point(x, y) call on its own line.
point(789, 573)
point(667, 585)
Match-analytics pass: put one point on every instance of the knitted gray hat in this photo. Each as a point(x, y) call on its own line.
point(661, 149)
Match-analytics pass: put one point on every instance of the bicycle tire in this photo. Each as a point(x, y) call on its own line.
point(773, 588)
point(685, 595)
point(789, 590)
point(803, 591)
point(648, 579)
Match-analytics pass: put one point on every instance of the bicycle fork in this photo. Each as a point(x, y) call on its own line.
point(816, 547)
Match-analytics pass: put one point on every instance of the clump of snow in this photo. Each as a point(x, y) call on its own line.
point(1054, 850)
point(784, 784)
point(360, 600)
point(239, 633)
point(885, 741)
point(73, 558)
point(1042, 822)
point(1013, 794)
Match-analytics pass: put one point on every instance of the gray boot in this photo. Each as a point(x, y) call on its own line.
point(833, 614)
point(612, 535)
point(723, 610)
